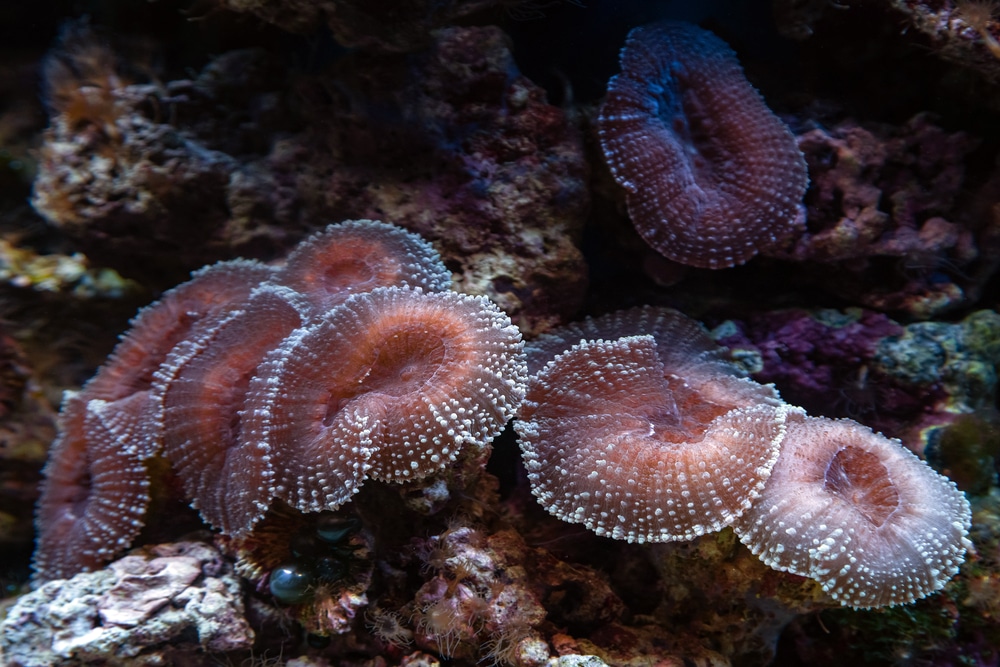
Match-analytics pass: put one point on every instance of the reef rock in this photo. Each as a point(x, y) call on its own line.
point(888, 207)
point(145, 609)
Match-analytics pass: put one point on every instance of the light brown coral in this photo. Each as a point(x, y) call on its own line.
point(256, 391)
point(358, 256)
point(712, 176)
point(95, 492)
point(859, 513)
point(617, 438)
point(391, 384)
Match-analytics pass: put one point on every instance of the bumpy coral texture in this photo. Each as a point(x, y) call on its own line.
point(391, 385)
point(96, 487)
point(618, 438)
point(860, 514)
point(211, 376)
point(712, 176)
point(634, 440)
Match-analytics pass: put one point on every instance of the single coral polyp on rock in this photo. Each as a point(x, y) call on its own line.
point(712, 176)
point(859, 513)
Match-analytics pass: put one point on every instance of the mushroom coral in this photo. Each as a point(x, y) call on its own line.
point(210, 376)
point(637, 427)
point(642, 430)
point(711, 175)
point(858, 513)
point(95, 490)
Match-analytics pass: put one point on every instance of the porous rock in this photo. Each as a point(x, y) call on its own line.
point(143, 609)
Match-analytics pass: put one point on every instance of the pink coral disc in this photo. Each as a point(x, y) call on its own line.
point(157, 328)
point(682, 343)
point(859, 513)
point(615, 441)
point(200, 389)
point(95, 493)
point(712, 176)
point(393, 383)
point(358, 256)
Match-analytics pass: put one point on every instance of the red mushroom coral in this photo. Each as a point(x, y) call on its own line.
point(411, 378)
point(95, 492)
point(638, 441)
point(859, 513)
point(358, 256)
point(711, 175)
point(393, 383)
point(200, 390)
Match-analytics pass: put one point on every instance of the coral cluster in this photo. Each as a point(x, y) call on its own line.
point(641, 432)
point(712, 176)
point(256, 391)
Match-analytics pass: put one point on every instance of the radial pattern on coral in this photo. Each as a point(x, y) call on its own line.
point(294, 383)
point(859, 513)
point(638, 440)
point(95, 491)
point(199, 393)
point(391, 384)
point(712, 176)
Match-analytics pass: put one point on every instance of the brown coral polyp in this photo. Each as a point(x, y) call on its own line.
point(391, 385)
point(619, 437)
point(298, 384)
point(859, 513)
point(95, 494)
point(359, 256)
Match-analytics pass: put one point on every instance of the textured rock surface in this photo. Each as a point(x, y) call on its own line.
point(463, 150)
point(890, 208)
point(148, 609)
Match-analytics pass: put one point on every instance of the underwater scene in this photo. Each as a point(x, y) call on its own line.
point(518, 333)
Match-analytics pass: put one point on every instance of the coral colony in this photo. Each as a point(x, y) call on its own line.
point(640, 430)
point(255, 391)
point(273, 397)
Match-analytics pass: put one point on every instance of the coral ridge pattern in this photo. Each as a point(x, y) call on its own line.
point(640, 430)
point(711, 175)
point(254, 390)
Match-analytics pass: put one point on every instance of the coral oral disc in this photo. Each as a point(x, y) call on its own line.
point(392, 384)
point(95, 494)
point(859, 513)
point(712, 176)
point(610, 441)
